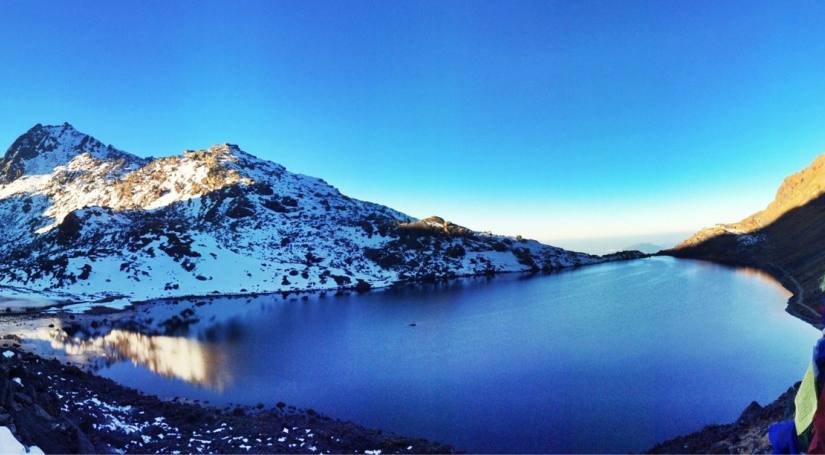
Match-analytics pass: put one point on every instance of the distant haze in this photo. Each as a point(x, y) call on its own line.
point(603, 245)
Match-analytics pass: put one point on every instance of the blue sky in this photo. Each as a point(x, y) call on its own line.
point(547, 119)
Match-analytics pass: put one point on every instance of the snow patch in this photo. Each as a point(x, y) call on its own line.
point(9, 445)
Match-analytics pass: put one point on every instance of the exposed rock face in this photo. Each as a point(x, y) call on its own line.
point(787, 239)
point(42, 148)
point(84, 220)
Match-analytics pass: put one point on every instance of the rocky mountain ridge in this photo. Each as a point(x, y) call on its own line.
point(85, 221)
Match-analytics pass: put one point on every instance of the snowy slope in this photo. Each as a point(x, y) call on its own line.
point(82, 220)
point(9, 445)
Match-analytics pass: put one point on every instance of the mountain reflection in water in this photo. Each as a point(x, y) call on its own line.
point(183, 358)
point(764, 276)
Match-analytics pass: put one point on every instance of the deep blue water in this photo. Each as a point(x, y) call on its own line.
point(609, 358)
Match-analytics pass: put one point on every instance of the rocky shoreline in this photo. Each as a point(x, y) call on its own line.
point(748, 434)
point(63, 409)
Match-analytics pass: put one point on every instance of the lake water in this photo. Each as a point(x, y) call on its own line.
point(608, 358)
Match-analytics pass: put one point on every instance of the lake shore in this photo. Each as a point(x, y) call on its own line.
point(795, 276)
point(748, 434)
point(23, 300)
point(63, 409)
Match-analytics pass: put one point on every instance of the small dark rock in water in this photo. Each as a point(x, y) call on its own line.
point(413, 324)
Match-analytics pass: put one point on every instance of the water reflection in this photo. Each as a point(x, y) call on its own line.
point(764, 276)
point(183, 358)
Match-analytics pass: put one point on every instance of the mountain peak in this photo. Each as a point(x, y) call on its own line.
point(55, 131)
point(224, 148)
point(43, 147)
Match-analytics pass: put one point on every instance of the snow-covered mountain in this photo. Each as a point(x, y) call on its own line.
point(83, 220)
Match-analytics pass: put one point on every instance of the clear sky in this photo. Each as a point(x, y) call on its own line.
point(547, 119)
